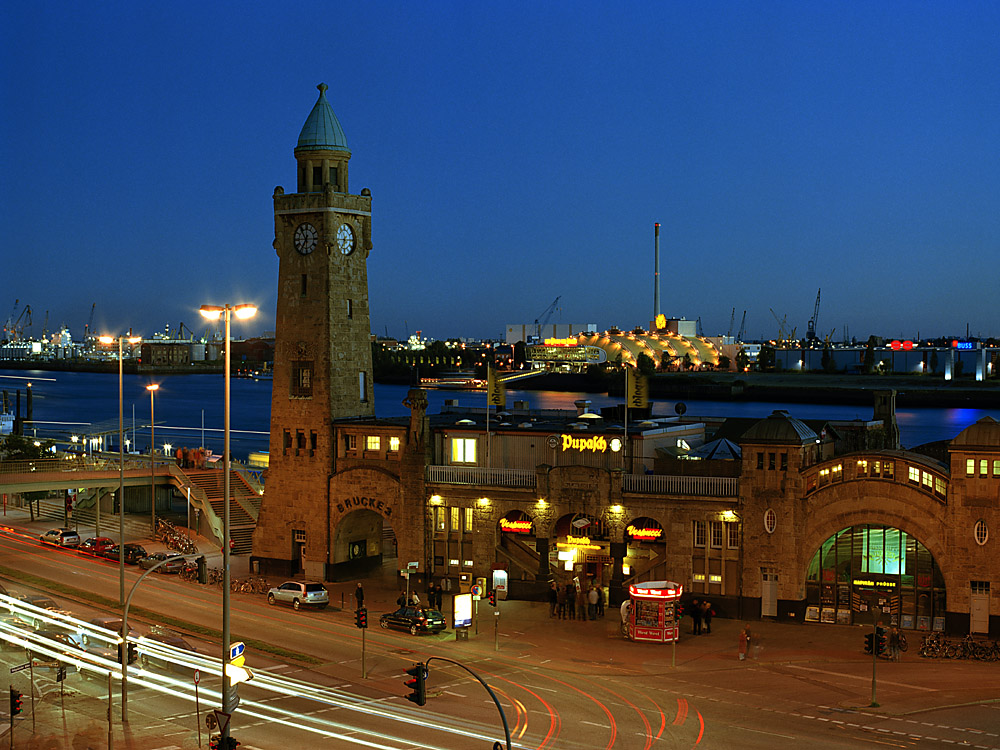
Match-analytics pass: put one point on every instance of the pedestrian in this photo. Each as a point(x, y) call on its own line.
point(600, 601)
point(415, 599)
point(581, 603)
point(592, 597)
point(439, 595)
point(571, 601)
point(706, 615)
point(359, 595)
point(894, 643)
point(695, 617)
point(560, 601)
point(744, 643)
point(553, 599)
point(401, 601)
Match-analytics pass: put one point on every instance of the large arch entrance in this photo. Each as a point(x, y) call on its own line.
point(866, 565)
point(362, 541)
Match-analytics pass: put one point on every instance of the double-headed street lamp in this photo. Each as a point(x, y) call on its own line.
point(214, 312)
point(121, 459)
point(153, 388)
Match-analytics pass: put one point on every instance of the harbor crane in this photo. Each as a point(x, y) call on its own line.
point(90, 322)
point(542, 319)
point(743, 327)
point(811, 330)
point(782, 325)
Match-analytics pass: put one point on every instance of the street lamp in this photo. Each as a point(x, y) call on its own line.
point(121, 462)
point(214, 312)
point(152, 461)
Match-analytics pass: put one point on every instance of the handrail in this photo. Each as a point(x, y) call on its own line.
point(200, 500)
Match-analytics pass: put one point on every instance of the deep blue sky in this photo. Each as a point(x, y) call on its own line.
point(516, 152)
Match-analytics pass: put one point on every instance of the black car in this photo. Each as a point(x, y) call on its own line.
point(133, 553)
point(175, 565)
point(414, 619)
point(167, 637)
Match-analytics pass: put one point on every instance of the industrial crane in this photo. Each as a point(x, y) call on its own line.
point(542, 319)
point(782, 323)
point(811, 330)
point(90, 322)
point(743, 327)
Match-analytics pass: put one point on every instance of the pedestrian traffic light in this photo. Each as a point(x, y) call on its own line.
point(361, 617)
point(15, 702)
point(417, 686)
point(493, 598)
point(868, 642)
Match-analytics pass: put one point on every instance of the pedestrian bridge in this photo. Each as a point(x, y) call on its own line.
point(96, 480)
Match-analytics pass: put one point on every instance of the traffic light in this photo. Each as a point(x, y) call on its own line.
point(232, 743)
point(418, 694)
point(361, 617)
point(15, 702)
point(215, 742)
point(880, 640)
point(868, 643)
point(493, 598)
point(133, 653)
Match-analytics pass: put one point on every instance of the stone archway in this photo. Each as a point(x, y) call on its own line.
point(366, 514)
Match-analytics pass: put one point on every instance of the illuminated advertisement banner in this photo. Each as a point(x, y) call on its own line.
point(561, 342)
point(515, 527)
point(593, 444)
point(593, 355)
point(462, 613)
point(644, 534)
point(578, 542)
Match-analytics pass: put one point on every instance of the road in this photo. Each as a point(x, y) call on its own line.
point(561, 684)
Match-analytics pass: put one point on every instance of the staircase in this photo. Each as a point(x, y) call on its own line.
point(244, 503)
point(520, 555)
point(87, 517)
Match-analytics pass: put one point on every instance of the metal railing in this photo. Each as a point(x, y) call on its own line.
point(662, 484)
point(105, 462)
point(480, 475)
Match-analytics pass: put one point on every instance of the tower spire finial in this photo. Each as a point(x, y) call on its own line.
point(322, 88)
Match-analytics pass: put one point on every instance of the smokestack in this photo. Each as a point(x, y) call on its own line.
point(656, 274)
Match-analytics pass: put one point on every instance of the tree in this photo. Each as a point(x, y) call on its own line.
point(869, 363)
point(724, 362)
point(20, 448)
point(520, 355)
point(688, 363)
point(766, 359)
point(645, 364)
point(742, 361)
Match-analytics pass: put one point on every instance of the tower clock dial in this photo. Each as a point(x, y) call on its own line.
point(345, 239)
point(305, 238)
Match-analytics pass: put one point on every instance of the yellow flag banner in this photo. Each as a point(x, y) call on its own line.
point(637, 389)
point(496, 394)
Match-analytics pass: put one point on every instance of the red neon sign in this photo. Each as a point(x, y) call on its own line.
point(516, 527)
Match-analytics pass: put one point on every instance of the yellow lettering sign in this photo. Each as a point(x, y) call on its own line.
point(637, 533)
point(597, 444)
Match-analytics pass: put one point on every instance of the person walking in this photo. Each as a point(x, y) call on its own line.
point(560, 601)
point(553, 599)
point(401, 601)
point(592, 597)
point(706, 615)
point(359, 595)
point(743, 644)
point(894, 643)
point(695, 617)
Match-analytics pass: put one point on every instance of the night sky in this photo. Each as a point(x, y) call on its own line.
point(516, 152)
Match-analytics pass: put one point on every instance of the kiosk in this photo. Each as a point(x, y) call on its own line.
point(650, 614)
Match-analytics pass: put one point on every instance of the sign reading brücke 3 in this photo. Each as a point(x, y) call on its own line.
point(358, 501)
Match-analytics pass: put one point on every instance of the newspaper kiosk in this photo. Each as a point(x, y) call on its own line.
point(650, 613)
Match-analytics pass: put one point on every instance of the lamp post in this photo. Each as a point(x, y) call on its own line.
point(214, 312)
point(121, 461)
point(153, 388)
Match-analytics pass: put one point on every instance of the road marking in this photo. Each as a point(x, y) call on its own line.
point(761, 731)
point(865, 679)
point(594, 724)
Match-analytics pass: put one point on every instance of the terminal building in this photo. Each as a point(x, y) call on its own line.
point(802, 520)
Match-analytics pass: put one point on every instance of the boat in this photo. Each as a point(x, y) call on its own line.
point(453, 384)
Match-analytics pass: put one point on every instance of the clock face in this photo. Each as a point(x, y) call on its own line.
point(345, 239)
point(305, 238)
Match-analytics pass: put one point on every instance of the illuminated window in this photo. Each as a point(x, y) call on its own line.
point(824, 477)
point(699, 534)
point(714, 578)
point(940, 487)
point(982, 467)
point(394, 444)
point(888, 469)
point(699, 577)
point(914, 475)
point(467, 520)
point(439, 513)
point(928, 480)
point(454, 519)
point(996, 467)
point(876, 468)
point(453, 562)
point(373, 443)
point(970, 467)
point(463, 450)
point(837, 472)
point(715, 528)
point(302, 379)
point(467, 564)
point(862, 468)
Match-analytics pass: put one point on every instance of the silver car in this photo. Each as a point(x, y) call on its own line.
point(61, 537)
point(299, 594)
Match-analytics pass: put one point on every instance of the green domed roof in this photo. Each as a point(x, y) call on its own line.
point(322, 131)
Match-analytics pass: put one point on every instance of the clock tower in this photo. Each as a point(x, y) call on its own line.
point(322, 351)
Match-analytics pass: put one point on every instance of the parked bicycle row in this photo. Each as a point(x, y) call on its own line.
point(935, 646)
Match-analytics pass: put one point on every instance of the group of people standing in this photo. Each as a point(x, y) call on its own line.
point(571, 601)
point(193, 458)
point(701, 616)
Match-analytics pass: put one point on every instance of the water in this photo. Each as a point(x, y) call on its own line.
point(67, 403)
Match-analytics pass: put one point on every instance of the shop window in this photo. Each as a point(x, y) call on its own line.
point(302, 379)
point(914, 475)
point(970, 467)
point(784, 462)
point(394, 444)
point(982, 532)
point(770, 521)
point(760, 460)
point(373, 443)
point(699, 533)
point(733, 535)
point(463, 450)
point(715, 527)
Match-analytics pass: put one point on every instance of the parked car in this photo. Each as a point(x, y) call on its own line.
point(133, 553)
point(9, 622)
point(66, 643)
point(111, 623)
point(167, 637)
point(95, 545)
point(35, 621)
point(176, 564)
point(61, 538)
point(414, 619)
point(299, 594)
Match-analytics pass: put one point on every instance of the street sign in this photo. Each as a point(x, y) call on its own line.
point(197, 676)
point(477, 590)
point(413, 565)
point(221, 720)
point(61, 673)
point(20, 667)
point(236, 649)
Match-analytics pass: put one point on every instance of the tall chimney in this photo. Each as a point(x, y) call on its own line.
point(656, 274)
